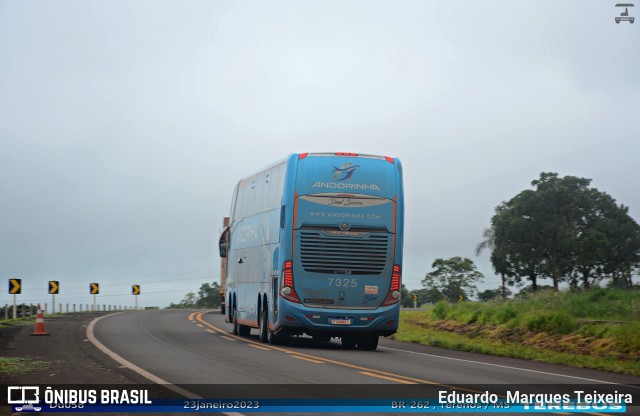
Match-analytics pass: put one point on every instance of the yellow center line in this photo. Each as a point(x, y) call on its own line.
point(306, 359)
point(228, 338)
point(397, 380)
point(191, 316)
point(260, 347)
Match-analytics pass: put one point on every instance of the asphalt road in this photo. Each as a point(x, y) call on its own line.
point(197, 349)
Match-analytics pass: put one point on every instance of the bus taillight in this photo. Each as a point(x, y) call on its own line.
point(287, 291)
point(394, 289)
point(346, 154)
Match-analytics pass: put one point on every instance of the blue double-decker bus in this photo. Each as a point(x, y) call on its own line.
point(314, 246)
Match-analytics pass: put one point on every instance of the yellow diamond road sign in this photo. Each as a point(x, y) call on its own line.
point(94, 288)
point(15, 286)
point(54, 287)
point(135, 289)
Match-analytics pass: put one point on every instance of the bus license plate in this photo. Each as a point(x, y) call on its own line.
point(340, 321)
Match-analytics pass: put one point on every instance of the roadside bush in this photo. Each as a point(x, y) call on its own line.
point(441, 310)
point(554, 323)
point(627, 336)
point(506, 313)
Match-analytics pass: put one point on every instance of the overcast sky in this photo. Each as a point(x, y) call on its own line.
point(125, 125)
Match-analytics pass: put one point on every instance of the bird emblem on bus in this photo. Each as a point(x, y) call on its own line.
point(346, 170)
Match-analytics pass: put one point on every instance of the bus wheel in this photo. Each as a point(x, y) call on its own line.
point(349, 341)
point(368, 342)
point(264, 326)
point(236, 326)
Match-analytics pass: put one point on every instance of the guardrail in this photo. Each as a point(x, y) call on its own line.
point(25, 310)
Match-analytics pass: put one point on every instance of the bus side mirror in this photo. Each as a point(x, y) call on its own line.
point(223, 243)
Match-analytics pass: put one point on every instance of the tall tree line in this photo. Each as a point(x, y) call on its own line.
point(564, 230)
point(208, 297)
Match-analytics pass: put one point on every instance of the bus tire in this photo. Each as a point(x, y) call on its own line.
point(264, 326)
point(368, 342)
point(236, 326)
point(349, 341)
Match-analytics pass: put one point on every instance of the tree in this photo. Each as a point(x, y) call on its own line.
point(559, 206)
point(188, 302)
point(515, 255)
point(209, 296)
point(497, 259)
point(429, 296)
point(624, 247)
point(491, 294)
point(406, 300)
point(565, 230)
point(453, 278)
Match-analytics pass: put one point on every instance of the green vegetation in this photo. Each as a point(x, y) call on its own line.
point(454, 278)
point(208, 297)
point(19, 365)
point(598, 328)
point(5, 323)
point(564, 230)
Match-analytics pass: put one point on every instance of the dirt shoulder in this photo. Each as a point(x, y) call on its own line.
point(66, 356)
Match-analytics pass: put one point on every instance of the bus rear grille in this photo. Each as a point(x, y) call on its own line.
point(321, 253)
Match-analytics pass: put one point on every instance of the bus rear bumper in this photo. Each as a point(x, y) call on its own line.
point(297, 320)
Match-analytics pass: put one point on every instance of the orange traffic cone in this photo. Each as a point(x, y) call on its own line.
point(39, 323)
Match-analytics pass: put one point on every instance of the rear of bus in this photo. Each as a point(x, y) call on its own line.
point(341, 274)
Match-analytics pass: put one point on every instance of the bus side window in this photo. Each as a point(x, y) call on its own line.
point(282, 216)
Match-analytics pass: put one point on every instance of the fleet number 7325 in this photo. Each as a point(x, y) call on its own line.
point(342, 282)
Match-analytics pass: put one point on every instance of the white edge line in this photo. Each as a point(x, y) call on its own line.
point(144, 373)
point(509, 367)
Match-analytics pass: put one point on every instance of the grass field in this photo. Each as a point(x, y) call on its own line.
point(598, 328)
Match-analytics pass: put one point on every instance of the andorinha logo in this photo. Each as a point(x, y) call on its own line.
point(345, 171)
point(346, 186)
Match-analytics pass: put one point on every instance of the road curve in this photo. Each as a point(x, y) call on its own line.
point(187, 347)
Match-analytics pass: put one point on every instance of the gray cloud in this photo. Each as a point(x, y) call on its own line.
point(124, 126)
